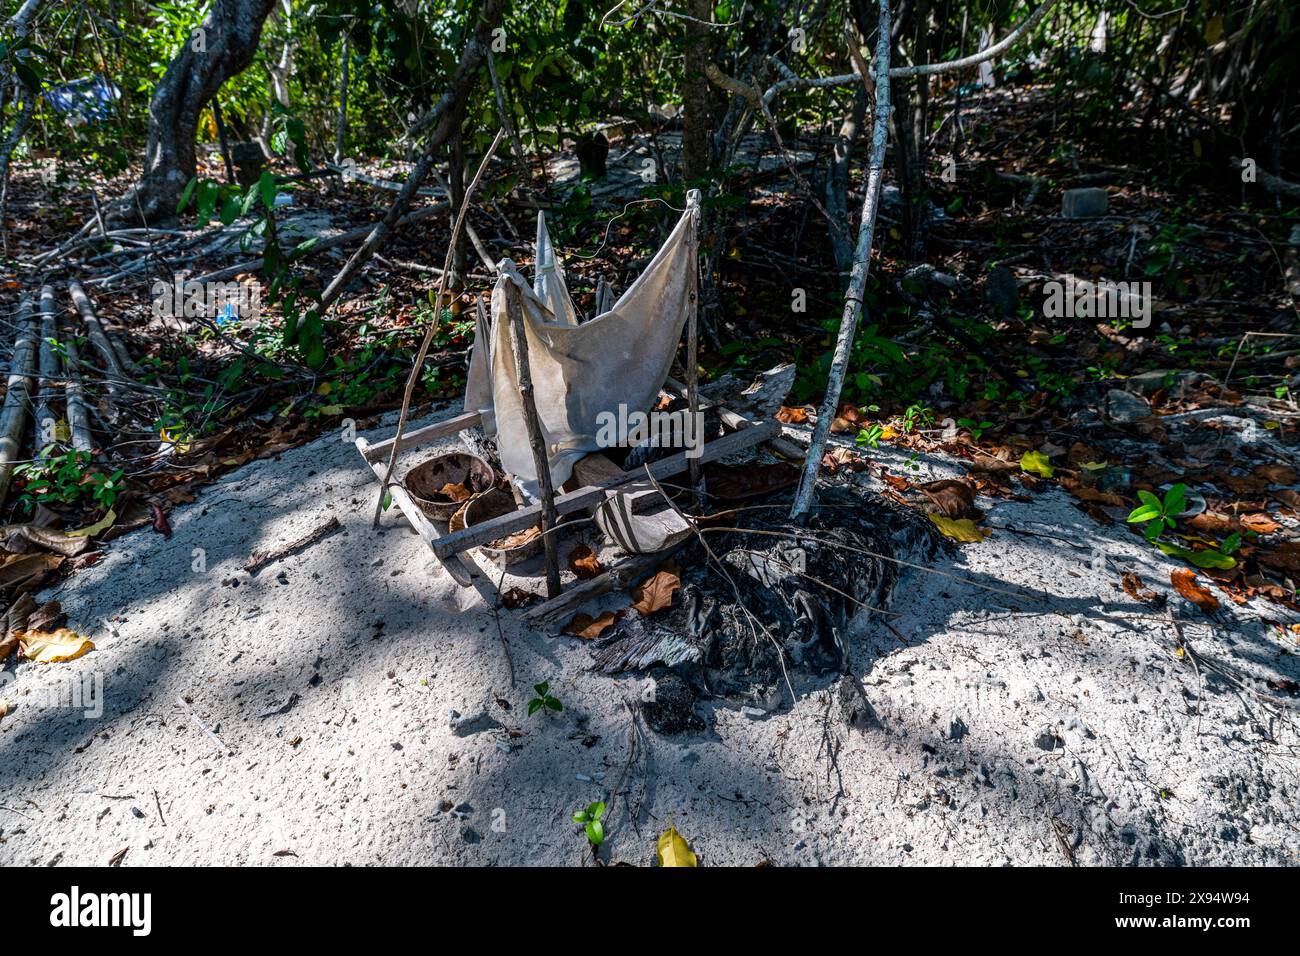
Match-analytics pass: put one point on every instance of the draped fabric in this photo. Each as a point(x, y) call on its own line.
point(579, 371)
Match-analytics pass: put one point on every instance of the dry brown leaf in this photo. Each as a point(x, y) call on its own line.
point(4, 710)
point(1218, 523)
point(1185, 583)
point(656, 593)
point(1285, 557)
point(797, 415)
point(841, 457)
point(1134, 588)
point(1245, 484)
point(516, 598)
point(1088, 493)
point(1276, 473)
point(849, 419)
point(897, 482)
point(954, 498)
point(583, 563)
point(589, 628)
point(516, 540)
point(18, 568)
point(1288, 497)
point(455, 491)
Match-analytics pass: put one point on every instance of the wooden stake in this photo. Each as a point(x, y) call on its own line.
point(417, 368)
point(519, 346)
point(692, 375)
point(858, 280)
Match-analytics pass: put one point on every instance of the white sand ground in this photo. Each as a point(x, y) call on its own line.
point(1009, 731)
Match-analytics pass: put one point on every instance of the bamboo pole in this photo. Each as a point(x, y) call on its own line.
point(18, 398)
point(48, 363)
point(536, 440)
point(117, 376)
point(75, 395)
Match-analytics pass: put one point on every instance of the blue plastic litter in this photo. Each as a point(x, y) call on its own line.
point(87, 100)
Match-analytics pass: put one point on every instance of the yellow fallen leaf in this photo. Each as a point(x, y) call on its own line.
point(53, 647)
point(889, 433)
point(960, 529)
point(99, 527)
point(331, 410)
point(674, 850)
point(1036, 463)
point(62, 431)
point(173, 437)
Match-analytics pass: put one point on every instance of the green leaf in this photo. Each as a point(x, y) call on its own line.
point(1149, 499)
point(1144, 513)
point(187, 195)
point(266, 189)
point(250, 200)
point(206, 201)
point(542, 688)
point(596, 832)
point(1202, 559)
point(1036, 463)
point(580, 816)
point(532, 709)
point(230, 209)
point(1176, 500)
point(554, 704)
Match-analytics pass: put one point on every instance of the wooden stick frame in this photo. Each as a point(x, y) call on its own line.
point(450, 549)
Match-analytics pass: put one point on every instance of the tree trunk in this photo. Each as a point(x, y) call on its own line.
point(695, 91)
point(222, 47)
point(837, 182)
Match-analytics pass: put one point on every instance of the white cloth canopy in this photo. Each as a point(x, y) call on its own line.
point(621, 356)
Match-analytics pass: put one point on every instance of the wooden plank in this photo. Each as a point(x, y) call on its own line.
point(778, 443)
point(594, 494)
point(456, 565)
point(422, 436)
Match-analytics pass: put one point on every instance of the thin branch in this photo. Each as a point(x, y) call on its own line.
point(858, 277)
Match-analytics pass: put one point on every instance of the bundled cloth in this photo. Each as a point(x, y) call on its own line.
point(581, 372)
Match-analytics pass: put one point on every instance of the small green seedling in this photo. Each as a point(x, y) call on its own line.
point(870, 435)
point(590, 820)
point(544, 699)
point(1159, 514)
